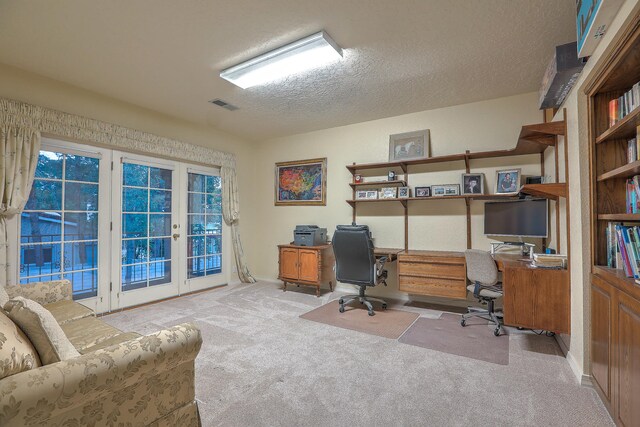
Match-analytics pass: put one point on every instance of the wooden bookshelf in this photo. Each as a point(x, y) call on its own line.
point(614, 298)
point(532, 139)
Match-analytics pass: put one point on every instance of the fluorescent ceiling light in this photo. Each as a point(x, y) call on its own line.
point(304, 54)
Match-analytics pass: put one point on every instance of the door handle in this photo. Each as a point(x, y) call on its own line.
point(175, 236)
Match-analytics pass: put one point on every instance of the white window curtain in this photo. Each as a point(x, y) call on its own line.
point(231, 215)
point(19, 149)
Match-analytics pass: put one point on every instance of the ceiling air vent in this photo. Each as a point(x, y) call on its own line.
point(223, 104)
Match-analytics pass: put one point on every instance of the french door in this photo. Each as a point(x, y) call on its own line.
point(145, 207)
point(125, 229)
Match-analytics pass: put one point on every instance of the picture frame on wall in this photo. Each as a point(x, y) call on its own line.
point(301, 182)
point(388, 193)
point(409, 146)
point(472, 183)
point(445, 190)
point(422, 191)
point(508, 181)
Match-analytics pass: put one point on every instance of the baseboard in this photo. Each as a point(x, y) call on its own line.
point(583, 379)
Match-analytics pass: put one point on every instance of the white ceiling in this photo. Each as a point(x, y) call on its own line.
point(401, 56)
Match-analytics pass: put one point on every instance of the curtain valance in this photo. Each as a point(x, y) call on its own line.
point(49, 121)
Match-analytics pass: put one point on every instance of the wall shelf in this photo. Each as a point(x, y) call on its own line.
point(533, 139)
point(379, 183)
point(551, 191)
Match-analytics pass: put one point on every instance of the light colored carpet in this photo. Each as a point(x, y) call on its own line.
point(261, 365)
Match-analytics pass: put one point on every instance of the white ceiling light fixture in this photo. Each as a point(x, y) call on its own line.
point(305, 54)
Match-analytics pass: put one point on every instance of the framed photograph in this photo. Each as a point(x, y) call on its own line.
point(361, 194)
point(388, 193)
point(371, 194)
point(472, 183)
point(422, 191)
point(404, 192)
point(301, 182)
point(409, 145)
point(445, 190)
point(508, 181)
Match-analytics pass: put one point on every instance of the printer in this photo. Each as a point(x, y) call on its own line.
point(309, 235)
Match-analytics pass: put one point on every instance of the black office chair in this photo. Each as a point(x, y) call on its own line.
point(356, 263)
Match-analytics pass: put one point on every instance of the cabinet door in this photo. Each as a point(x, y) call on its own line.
point(309, 265)
point(288, 263)
point(601, 332)
point(628, 360)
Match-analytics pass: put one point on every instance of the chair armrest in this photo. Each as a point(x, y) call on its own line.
point(380, 262)
point(135, 382)
point(42, 292)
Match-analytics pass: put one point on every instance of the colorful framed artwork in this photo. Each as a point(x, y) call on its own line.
point(301, 182)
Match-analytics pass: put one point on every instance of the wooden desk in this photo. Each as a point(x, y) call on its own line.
point(534, 298)
point(390, 253)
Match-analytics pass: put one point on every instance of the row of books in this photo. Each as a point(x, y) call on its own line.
point(620, 107)
point(623, 248)
point(633, 195)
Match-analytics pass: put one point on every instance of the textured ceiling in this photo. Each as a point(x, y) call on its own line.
point(401, 56)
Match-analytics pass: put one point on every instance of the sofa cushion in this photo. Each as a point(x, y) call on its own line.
point(111, 341)
point(16, 351)
point(4, 296)
point(42, 329)
point(65, 311)
point(87, 332)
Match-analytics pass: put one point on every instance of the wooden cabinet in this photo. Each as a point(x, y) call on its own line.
point(306, 265)
point(615, 346)
point(433, 273)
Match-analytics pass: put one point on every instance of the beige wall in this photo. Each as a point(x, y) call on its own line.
point(578, 146)
point(441, 225)
point(23, 86)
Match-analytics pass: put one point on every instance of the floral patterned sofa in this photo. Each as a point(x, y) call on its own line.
point(118, 379)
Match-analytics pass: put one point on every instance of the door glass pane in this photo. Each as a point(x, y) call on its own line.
point(146, 234)
point(204, 227)
point(59, 226)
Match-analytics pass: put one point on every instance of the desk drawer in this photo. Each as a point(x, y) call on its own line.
point(433, 286)
point(446, 268)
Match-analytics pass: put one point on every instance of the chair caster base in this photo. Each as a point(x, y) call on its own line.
point(341, 309)
point(463, 322)
point(371, 313)
point(496, 331)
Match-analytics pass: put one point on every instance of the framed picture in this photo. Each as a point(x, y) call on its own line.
point(409, 145)
point(301, 182)
point(422, 191)
point(371, 194)
point(404, 192)
point(445, 190)
point(472, 183)
point(361, 194)
point(508, 181)
point(388, 193)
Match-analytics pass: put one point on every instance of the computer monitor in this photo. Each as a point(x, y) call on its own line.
point(521, 218)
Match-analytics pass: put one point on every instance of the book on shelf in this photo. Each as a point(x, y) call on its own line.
point(632, 150)
point(633, 195)
point(623, 248)
point(623, 105)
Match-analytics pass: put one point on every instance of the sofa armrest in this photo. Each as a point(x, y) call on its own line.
point(135, 382)
point(42, 292)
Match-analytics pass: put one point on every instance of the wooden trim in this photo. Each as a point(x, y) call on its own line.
point(199, 291)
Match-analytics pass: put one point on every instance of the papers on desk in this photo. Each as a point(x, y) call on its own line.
point(549, 261)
